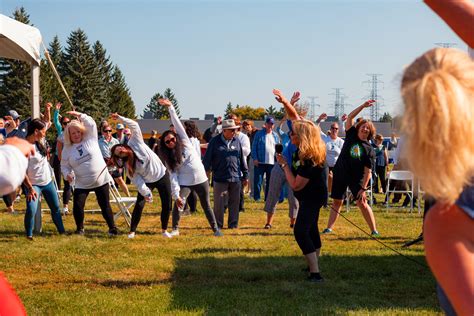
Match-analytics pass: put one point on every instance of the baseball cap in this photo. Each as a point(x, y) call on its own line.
point(14, 114)
point(119, 126)
point(270, 120)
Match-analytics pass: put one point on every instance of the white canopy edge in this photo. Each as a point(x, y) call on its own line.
point(19, 41)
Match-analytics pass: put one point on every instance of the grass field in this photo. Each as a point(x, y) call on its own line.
point(249, 271)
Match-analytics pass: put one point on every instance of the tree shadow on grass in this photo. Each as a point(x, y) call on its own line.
point(276, 285)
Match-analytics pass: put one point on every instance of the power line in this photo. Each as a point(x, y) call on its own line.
point(374, 95)
point(445, 44)
point(312, 106)
point(338, 102)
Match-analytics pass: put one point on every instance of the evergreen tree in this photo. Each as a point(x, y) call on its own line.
point(120, 100)
point(273, 112)
point(87, 88)
point(155, 111)
point(15, 79)
point(386, 118)
point(229, 109)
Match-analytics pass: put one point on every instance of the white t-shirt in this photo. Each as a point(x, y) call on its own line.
point(333, 148)
point(269, 149)
point(13, 168)
point(245, 143)
point(39, 171)
point(84, 160)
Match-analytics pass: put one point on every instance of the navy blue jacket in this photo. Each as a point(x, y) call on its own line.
point(226, 163)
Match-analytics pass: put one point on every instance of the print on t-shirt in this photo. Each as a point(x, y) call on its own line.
point(356, 151)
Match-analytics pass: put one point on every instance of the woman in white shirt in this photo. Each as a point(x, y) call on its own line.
point(83, 165)
point(39, 181)
point(187, 171)
point(146, 171)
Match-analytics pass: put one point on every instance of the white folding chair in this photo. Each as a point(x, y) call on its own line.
point(401, 175)
point(124, 203)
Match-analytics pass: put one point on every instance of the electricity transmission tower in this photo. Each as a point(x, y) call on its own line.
point(374, 95)
point(338, 102)
point(446, 45)
point(312, 105)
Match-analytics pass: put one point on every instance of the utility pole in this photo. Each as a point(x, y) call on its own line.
point(374, 95)
point(446, 45)
point(338, 102)
point(312, 105)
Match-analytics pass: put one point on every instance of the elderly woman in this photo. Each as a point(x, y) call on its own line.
point(39, 180)
point(83, 165)
point(353, 168)
point(187, 171)
point(146, 171)
point(438, 123)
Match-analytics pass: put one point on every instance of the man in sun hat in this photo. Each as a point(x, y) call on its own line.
point(224, 157)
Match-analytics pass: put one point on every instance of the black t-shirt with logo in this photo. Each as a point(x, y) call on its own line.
point(316, 189)
point(355, 155)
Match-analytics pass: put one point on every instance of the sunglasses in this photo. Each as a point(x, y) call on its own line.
point(335, 128)
point(108, 131)
point(168, 141)
point(65, 123)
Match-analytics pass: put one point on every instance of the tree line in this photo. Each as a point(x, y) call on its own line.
point(94, 83)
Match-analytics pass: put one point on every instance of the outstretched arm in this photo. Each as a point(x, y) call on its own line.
point(458, 14)
point(175, 120)
point(289, 108)
point(356, 111)
point(134, 127)
point(89, 124)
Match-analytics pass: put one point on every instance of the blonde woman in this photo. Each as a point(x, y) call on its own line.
point(438, 123)
point(307, 177)
point(83, 165)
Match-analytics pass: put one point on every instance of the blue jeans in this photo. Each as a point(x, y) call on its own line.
point(51, 196)
point(258, 179)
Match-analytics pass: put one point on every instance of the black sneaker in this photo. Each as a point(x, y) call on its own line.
point(315, 278)
point(113, 232)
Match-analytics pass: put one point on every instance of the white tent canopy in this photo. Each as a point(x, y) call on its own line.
point(22, 42)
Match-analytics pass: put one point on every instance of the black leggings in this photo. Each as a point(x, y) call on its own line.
point(164, 189)
point(202, 191)
point(8, 200)
point(102, 193)
point(306, 227)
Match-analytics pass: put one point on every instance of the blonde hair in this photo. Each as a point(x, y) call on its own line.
point(438, 92)
point(73, 123)
point(311, 145)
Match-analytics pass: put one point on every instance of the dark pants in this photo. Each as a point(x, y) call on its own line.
point(227, 192)
point(57, 171)
point(306, 229)
point(8, 200)
point(381, 172)
point(102, 193)
point(202, 191)
point(258, 179)
point(191, 202)
point(164, 189)
point(67, 192)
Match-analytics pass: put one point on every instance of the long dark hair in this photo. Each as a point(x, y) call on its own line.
point(129, 161)
point(192, 130)
point(37, 124)
point(171, 157)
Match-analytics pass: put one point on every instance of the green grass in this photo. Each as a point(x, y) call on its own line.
point(249, 271)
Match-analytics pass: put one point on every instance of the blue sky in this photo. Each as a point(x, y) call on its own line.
point(213, 52)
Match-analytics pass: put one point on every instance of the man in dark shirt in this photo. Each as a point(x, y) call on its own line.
point(225, 159)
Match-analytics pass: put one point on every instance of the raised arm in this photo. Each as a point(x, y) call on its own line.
point(56, 122)
point(459, 15)
point(356, 111)
point(132, 125)
point(175, 120)
point(289, 108)
point(89, 124)
point(47, 113)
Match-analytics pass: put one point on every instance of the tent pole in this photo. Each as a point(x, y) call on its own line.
point(35, 91)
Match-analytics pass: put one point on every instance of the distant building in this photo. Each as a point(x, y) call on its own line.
point(209, 117)
point(194, 118)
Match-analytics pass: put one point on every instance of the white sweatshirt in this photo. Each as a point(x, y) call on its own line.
point(13, 168)
point(191, 170)
point(84, 160)
point(245, 143)
point(148, 168)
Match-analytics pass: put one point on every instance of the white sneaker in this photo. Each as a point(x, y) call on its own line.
point(175, 232)
point(65, 211)
point(18, 198)
point(131, 235)
point(166, 234)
